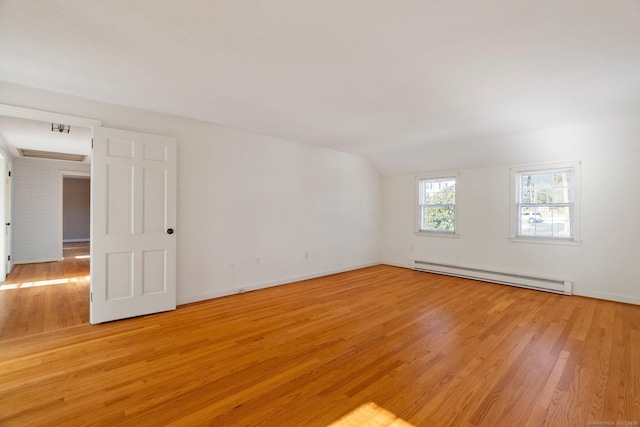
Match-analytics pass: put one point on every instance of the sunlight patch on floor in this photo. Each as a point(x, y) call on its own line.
point(6, 286)
point(370, 415)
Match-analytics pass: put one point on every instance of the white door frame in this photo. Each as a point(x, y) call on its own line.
point(62, 174)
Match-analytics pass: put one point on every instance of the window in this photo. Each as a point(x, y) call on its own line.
point(545, 203)
point(437, 205)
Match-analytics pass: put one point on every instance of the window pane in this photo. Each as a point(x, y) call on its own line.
point(437, 198)
point(546, 202)
point(545, 221)
point(438, 219)
point(546, 187)
point(438, 192)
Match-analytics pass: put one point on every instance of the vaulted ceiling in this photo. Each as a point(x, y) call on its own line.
point(379, 78)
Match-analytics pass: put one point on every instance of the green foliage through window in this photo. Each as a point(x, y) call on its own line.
point(437, 204)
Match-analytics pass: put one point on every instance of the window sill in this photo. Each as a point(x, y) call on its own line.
point(436, 234)
point(546, 241)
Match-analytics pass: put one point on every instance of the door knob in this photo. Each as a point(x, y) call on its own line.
point(169, 230)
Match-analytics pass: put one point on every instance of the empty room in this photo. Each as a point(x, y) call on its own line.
point(320, 213)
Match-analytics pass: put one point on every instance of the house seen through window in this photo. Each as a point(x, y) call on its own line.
point(545, 203)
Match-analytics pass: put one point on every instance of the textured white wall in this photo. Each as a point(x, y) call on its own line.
point(603, 266)
point(35, 207)
point(242, 195)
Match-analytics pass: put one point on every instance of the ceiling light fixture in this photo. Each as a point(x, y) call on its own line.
point(60, 128)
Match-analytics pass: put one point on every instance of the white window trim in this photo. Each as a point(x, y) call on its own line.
point(416, 205)
point(576, 220)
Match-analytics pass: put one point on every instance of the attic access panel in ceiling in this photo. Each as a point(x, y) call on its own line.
point(43, 140)
point(51, 155)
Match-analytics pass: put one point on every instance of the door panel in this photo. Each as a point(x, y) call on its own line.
point(154, 265)
point(154, 200)
point(134, 204)
point(119, 188)
point(119, 280)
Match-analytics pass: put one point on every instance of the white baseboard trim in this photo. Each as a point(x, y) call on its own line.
point(608, 296)
point(75, 240)
point(33, 261)
point(225, 292)
point(590, 294)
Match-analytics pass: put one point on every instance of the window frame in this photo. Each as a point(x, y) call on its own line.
point(515, 204)
point(435, 177)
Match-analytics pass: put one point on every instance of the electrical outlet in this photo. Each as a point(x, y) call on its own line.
point(241, 291)
point(306, 254)
point(257, 260)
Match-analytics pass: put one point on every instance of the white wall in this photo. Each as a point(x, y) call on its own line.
point(5, 151)
point(243, 195)
point(605, 265)
point(36, 236)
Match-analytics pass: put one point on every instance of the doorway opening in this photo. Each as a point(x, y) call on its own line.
point(48, 287)
point(133, 215)
point(74, 210)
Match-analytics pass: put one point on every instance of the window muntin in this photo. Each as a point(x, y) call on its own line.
point(545, 203)
point(436, 205)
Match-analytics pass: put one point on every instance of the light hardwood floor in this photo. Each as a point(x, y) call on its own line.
point(429, 349)
point(43, 297)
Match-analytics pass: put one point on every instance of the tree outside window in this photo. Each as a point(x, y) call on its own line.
point(437, 199)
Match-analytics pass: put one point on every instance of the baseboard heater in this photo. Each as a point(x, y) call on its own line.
point(537, 283)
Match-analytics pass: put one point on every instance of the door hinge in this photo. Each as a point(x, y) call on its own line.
point(9, 258)
point(90, 296)
point(92, 143)
point(9, 174)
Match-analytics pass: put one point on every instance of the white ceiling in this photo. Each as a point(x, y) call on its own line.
point(384, 79)
point(36, 135)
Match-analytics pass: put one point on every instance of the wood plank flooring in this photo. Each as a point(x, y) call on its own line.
point(431, 350)
point(42, 297)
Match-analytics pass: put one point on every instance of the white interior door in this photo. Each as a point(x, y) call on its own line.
point(133, 248)
point(4, 255)
point(8, 194)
